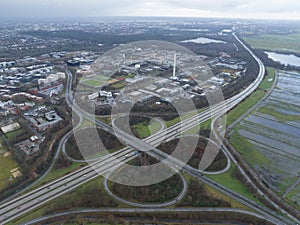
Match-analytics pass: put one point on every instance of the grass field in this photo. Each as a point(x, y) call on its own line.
point(244, 106)
point(267, 82)
point(211, 192)
point(15, 133)
point(101, 78)
point(277, 115)
point(86, 123)
point(246, 149)
point(144, 130)
point(3, 149)
point(92, 83)
point(106, 119)
point(272, 42)
point(294, 197)
point(6, 165)
point(216, 194)
point(230, 181)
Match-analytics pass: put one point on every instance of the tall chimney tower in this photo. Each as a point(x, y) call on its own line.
point(174, 65)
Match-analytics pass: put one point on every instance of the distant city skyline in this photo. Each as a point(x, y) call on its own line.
point(288, 9)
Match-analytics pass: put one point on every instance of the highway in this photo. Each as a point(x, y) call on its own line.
point(202, 117)
point(31, 200)
point(18, 206)
point(147, 210)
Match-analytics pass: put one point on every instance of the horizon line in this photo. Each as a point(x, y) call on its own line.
point(154, 16)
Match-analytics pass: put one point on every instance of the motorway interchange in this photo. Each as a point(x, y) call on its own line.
point(21, 205)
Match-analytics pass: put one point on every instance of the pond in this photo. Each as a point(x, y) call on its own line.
point(285, 59)
point(202, 40)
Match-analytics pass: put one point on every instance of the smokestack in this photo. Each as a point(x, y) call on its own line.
point(174, 65)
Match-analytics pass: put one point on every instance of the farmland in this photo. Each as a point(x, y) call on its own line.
point(269, 138)
point(273, 42)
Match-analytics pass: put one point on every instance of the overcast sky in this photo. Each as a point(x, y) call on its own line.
point(258, 9)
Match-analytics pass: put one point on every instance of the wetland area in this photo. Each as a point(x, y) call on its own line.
point(271, 137)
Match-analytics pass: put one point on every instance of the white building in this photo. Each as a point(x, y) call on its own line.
point(10, 127)
point(52, 78)
point(105, 94)
point(217, 81)
point(93, 96)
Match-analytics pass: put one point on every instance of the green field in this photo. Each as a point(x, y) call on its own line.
point(230, 181)
point(294, 197)
point(246, 149)
point(3, 149)
point(240, 143)
point(101, 78)
point(6, 165)
point(86, 123)
point(92, 83)
point(198, 191)
point(268, 81)
point(277, 115)
point(144, 130)
point(244, 106)
point(273, 167)
point(104, 119)
point(290, 42)
point(15, 133)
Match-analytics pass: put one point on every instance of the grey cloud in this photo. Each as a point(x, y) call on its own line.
point(62, 7)
point(208, 4)
point(54, 8)
point(254, 6)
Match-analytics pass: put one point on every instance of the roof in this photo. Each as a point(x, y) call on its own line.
point(10, 127)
